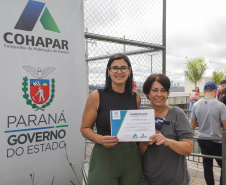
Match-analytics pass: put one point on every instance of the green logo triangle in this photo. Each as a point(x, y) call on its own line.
point(48, 22)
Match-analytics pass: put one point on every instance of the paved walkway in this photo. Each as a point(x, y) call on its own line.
point(195, 168)
point(197, 175)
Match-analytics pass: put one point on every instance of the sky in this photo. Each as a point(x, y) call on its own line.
point(195, 28)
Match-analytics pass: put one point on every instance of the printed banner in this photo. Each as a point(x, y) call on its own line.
point(43, 91)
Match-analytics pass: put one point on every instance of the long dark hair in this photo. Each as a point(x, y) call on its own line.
point(129, 82)
point(198, 89)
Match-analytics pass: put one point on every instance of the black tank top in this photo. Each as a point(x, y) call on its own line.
point(112, 101)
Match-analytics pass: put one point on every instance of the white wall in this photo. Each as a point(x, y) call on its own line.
point(189, 85)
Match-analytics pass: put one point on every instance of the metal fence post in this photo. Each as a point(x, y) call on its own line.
point(224, 157)
point(164, 38)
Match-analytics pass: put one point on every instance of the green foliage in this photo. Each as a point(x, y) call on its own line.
point(92, 88)
point(73, 169)
point(85, 178)
point(195, 69)
point(140, 91)
point(53, 180)
point(218, 75)
point(32, 175)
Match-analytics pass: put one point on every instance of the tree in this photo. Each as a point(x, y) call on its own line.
point(218, 75)
point(195, 69)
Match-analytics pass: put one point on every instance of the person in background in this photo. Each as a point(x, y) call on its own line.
point(164, 157)
point(223, 96)
point(197, 92)
point(193, 94)
point(209, 115)
point(194, 99)
point(112, 163)
point(223, 84)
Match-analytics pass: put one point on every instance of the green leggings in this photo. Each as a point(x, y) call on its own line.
point(117, 165)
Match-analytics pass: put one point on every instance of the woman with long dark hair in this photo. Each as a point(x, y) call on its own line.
point(112, 163)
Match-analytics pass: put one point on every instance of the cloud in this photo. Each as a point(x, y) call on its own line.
point(195, 29)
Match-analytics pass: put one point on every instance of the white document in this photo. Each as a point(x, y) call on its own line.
point(132, 125)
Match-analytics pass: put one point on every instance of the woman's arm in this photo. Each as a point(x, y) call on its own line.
point(197, 98)
point(194, 123)
point(88, 120)
point(138, 101)
point(224, 124)
point(182, 147)
point(143, 146)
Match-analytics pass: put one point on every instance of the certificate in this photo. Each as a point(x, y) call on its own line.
point(132, 125)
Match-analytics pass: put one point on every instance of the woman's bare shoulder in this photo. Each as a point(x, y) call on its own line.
point(93, 99)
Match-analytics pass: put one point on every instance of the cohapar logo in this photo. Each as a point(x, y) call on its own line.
point(34, 12)
point(30, 16)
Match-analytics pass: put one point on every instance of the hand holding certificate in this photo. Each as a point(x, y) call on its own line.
point(132, 125)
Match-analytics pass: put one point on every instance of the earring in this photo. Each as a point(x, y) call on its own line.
point(128, 75)
point(109, 75)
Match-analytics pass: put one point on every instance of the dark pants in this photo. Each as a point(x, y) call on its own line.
point(144, 181)
point(117, 165)
point(210, 148)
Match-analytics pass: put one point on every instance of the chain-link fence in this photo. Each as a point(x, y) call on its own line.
point(134, 27)
point(138, 21)
point(143, 64)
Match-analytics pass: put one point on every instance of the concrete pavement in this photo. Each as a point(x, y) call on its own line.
point(196, 172)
